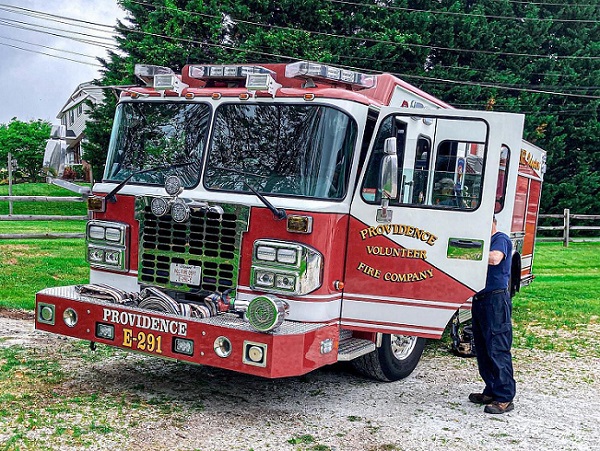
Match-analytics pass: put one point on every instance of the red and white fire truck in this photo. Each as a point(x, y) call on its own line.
point(272, 219)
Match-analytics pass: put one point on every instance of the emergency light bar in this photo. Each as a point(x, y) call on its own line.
point(306, 69)
point(226, 72)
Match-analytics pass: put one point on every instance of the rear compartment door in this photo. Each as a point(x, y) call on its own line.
point(411, 265)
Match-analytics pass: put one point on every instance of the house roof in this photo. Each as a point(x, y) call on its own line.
point(85, 91)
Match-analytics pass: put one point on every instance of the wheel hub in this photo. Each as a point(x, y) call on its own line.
point(403, 345)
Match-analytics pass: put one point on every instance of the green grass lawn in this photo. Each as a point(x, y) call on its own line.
point(27, 266)
point(560, 310)
point(41, 208)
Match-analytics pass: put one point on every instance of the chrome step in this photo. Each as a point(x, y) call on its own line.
point(352, 348)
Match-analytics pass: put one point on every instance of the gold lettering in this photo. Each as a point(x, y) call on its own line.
point(368, 270)
point(127, 337)
point(408, 277)
point(398, 229)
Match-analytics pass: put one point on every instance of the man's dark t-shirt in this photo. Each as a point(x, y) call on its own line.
point(498, 276)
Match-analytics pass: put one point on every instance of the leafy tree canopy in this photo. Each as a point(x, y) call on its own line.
point(25, 141)
point(537, 58)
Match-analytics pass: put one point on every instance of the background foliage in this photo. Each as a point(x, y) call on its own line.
point(26, 142)
point(540, 59)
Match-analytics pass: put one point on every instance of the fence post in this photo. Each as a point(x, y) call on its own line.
point(10, 205)
point(566, 228)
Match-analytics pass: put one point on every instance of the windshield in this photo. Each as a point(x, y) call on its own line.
point(157, 134)
point(301, 150)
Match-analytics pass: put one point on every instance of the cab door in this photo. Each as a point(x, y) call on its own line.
point(417, 253)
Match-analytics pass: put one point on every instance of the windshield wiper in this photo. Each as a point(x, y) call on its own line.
point(111, 196)
point(279, 213)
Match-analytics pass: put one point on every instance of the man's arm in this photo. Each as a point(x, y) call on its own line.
point(495, 257)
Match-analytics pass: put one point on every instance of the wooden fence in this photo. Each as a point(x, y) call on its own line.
point(12, 217)
point(567, 227)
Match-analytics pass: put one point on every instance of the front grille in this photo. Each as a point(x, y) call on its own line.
point(209, 239)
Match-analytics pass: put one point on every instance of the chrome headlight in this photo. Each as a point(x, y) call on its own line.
point(107, 244)
point(173, 185)
point(70, 317)
point(284, 267)
point(159, 206)
point(180, 211)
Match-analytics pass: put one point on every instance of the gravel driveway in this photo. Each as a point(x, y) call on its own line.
point(174, 406)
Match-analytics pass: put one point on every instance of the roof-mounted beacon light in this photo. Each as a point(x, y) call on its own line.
point(147, 72)
point(169, 82)
point(308, 70)
point(262, 82)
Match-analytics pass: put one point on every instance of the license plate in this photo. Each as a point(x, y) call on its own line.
point(188, 274)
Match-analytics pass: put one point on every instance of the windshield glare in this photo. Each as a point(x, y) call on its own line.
point(157, 134)
point(300, 150)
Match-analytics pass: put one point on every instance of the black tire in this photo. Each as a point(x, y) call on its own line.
point(395, 359)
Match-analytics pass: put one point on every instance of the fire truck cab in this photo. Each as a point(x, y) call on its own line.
point(272, 219)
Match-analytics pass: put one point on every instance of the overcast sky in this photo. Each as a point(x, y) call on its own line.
point(33, 84)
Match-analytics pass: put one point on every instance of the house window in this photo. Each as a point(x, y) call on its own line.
point(79, 109)
point(71, 116)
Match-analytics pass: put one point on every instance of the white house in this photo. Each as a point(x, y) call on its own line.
point(63, 149)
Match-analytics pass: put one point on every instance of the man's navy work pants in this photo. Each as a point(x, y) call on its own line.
point(492, 333)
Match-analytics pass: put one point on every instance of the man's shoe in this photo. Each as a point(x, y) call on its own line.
point(499, 407)
point(480, 398)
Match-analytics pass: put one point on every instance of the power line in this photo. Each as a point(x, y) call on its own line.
point(426, 79)
point(468, 83)
point(53, 56)
point(47, 47)
point(375, 41)
point(32, 26)
point(451, 13)
point(552, 4)
point(493, 86)
point(42, 14)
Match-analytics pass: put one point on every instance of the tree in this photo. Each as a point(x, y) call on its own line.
point(536, 58)
point(26, 142)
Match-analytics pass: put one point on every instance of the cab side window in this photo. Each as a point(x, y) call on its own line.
point(390, 127)
point(421, 172)
point(458, 173)
point(432, 173)
point(502, 179)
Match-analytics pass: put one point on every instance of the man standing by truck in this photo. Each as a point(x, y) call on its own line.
point(492, 329)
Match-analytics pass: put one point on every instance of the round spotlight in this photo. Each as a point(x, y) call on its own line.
point(70, 317)
point(265, 314)
point(180, 211)
point(256, 354)
point(173, 185)
point(222, 346)
point(159, 206)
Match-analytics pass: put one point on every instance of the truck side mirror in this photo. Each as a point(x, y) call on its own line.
point(388, 175)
